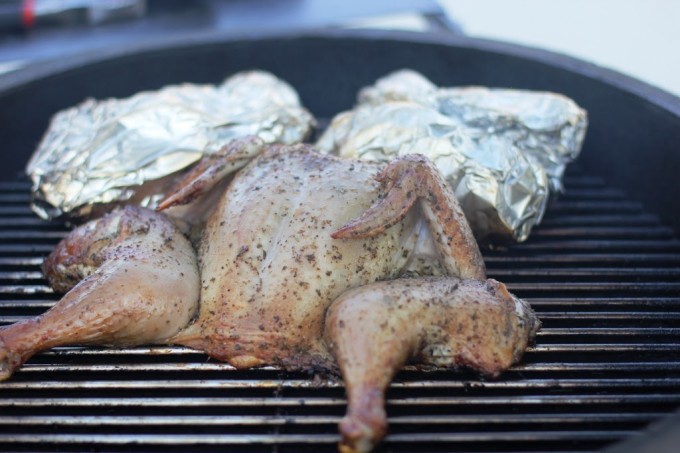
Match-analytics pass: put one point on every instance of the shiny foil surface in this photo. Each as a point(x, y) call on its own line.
point(502, 150)
point(103, 152)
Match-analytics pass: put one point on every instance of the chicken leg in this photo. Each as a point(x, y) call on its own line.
point(374, 330)
point(131, 278)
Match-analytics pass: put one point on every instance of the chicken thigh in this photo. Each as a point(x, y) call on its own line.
point(130, 278)
point(311, 261)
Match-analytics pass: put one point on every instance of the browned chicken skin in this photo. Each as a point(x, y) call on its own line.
point(444, 321)
point(302, 264)
point(131, 277)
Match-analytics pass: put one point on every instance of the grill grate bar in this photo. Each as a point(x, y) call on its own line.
point(38, 304)
point(30, 221)
point(249, 439)
point(627, 315)
point(602, 220)
point(620, 245)
point(592, 272)
point(258, 420)
point(516, 436)
point(218, 384)
point(15, 210)
point(27, 249)
point(25, 289)
point(619, 331)
point(26, 275)
point(661, 366)
point(185, 354)
point(216, 402)
point(606, 347)
point(40, 235)
point(170, 439)
point(20, 261)
point(628, 303)
point(120, 369)
point(593, 193)
point(618, 231)
point(22, 186)
point(547, 259)
point(593, 206)
point(21, 197)
point(597, 287)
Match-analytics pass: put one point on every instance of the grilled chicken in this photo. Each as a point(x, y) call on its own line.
point(301, 264)
point(311, 261)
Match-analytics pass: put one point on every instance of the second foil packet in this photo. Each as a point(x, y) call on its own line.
point(503, 151)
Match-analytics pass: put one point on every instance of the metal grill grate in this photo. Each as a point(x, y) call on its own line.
point(602, 274)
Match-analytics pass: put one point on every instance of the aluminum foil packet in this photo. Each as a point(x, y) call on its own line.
point(502, 150)
point(104, 152)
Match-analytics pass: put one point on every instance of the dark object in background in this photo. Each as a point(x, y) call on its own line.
point(13, 16)
point(18, 15)
point(170, 18)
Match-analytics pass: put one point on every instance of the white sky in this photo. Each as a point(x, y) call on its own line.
point(640, 38)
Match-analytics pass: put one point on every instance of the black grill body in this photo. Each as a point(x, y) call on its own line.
point(602, 271)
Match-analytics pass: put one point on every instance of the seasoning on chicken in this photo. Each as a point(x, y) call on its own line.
point(312, 261)
point(131, 277)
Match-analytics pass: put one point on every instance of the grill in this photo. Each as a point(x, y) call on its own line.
point(602, 271)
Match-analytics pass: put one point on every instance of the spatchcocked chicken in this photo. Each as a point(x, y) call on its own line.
point(307, 261)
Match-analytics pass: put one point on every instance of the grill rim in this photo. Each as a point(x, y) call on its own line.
point(22, 77)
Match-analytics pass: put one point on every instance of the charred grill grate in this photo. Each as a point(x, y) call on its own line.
point(602, 274)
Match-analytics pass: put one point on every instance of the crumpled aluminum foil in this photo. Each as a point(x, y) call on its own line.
point(502, 150)
point(100, 153)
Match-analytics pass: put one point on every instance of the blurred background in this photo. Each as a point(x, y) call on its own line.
point(640, 38)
